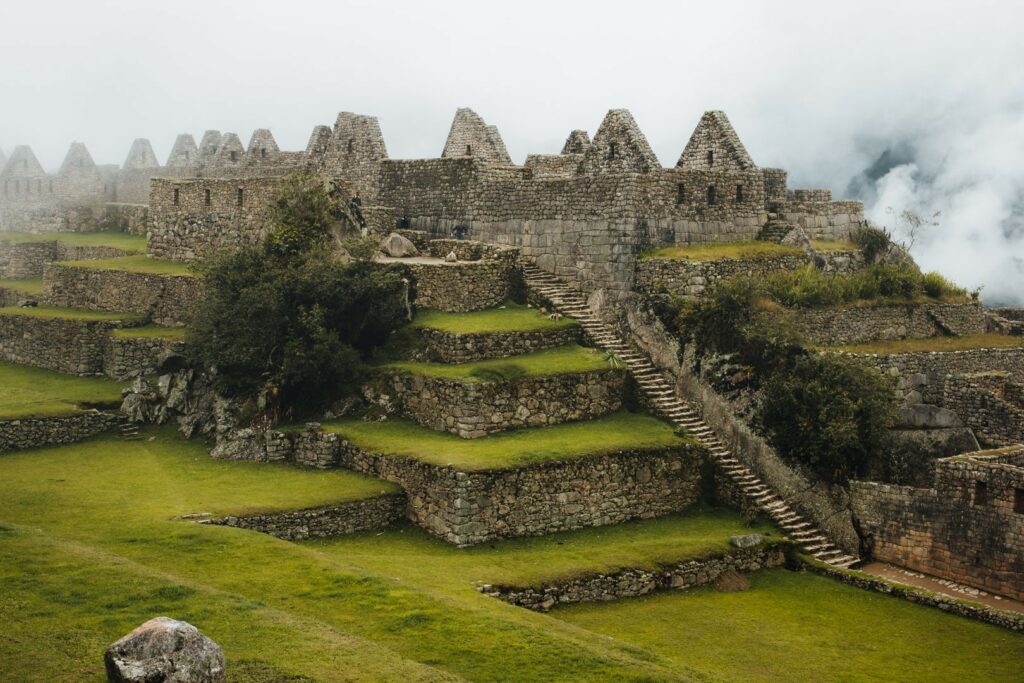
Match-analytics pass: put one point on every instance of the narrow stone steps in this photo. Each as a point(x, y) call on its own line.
point(662, 397)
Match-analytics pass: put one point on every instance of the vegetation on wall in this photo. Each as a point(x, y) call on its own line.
point(289, 320)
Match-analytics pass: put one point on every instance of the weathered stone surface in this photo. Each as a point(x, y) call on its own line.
point(397, 246)
point(165, 650)
point(465, 285)
point(965, 528)
point(450, 347)
point(926, 416)
point(475, 409)
point(34, 432)
point(748, 541)
point(630, 583)
point(371, 514)
point(731, 581)
point(851, 324)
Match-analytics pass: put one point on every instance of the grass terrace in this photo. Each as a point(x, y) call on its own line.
point(519, 448)
point(725, 250)
point(804, 627)
point(133, 244)
point(508, 318)
point(834, 245)
point(151, 332)
point(563, 360)
point(90, 548)
point(136, 264)
point(54, 312)
point(33, 392)
point(988, 340)
point(28, 286)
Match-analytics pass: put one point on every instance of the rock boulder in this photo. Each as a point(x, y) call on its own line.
point(165, 650)
point(398, 246)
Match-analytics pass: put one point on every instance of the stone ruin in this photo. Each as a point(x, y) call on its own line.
point(581, 216)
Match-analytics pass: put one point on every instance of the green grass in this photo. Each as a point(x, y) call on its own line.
point(54, 312)
point(614, 432)
point(28, 286)
point(89, 549)
point(410, 552)
point(803, 627)
point(151, 332)
point(725, 250)
point(136, 264)
point(134, 244)
point(566, 359)
point(510, 318)
point(989, 340)
point(33, 392)
point(834, 245)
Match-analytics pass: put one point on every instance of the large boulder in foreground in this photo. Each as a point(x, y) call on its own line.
point(165, 650)
point(398, 246)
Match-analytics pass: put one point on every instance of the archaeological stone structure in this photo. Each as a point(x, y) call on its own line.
point(583, 238)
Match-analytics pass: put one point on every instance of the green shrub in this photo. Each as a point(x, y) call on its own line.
point(301, 214)
point(936, 286)
point(829, 413)
point(361, 248)
point(872, 241)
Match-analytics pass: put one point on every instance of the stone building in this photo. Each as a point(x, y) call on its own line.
point(968, 527)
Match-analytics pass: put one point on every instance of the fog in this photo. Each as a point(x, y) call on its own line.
point(906, 105)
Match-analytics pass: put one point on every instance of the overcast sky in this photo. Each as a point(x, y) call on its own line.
point(903, 104)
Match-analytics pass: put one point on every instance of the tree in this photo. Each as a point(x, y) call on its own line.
point(289, 321)
point(912, 224)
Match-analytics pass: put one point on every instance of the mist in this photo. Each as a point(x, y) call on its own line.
point(904, 105)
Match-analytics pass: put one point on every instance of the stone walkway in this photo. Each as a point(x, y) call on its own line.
point(909, 577)
point(662, 397)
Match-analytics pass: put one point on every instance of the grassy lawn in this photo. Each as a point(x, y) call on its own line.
point(803, 627)
point(725, 250)
point(151, 332)
point(70, 313)
point(509, 318)
point(136, 264)
point(611, 433)
point(134, 244)
point(34, 392)
point(565, 359)
point(89, 548)
point(28, 286)
point(834, 245)
point(989, 340)
point(412, 553)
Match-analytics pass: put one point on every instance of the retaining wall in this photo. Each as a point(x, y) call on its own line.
point(465, 285)
point(75, 347)
point(370, 514)
point(684, 277)
point(475, 409)
point(50, 431)
point(852, 324)
point(165, 299)
point(450, 347)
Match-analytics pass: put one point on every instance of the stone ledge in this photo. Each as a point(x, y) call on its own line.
point(34, 432)
point(452, 347)
point(370, 514)
point(632, 582)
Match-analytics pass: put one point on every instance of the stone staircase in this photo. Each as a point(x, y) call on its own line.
point(774, 230)
point(662, 398)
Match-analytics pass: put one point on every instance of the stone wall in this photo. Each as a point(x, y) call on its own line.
point(129, 357)
point(450, 347)
point(165, 299)
point(921, 375)
point(25, 260)
point(467, 508)
point(851, 324)
point(78, 218)
point(632, 583)
point(466, 285)
point(370, 514)
point(75, 347)
point(475, 409)
point(823, 219)
point(684, 277)
point(33, 432)
point(193, 217)
point(969, 528)
point(990, 404)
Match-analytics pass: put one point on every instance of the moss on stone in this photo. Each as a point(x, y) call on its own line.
point(988, 340)
point(151, 332)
